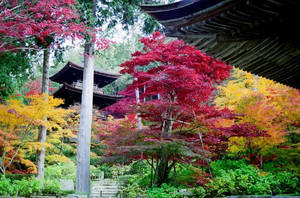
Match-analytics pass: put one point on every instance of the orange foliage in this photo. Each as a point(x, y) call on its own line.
point(268, 105)
point(19, 123)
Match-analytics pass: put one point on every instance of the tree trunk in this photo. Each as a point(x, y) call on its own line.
point(43, 130)
point(163, 168)
point(84, 134)
point(137, 91)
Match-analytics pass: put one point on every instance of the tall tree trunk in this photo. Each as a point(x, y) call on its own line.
point(84, 134)
point(137, 91)
point(86, 114)
point(43, 130)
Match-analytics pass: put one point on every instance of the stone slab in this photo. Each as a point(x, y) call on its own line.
point(66, 185)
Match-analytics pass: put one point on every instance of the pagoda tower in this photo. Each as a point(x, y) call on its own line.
point(71, 76)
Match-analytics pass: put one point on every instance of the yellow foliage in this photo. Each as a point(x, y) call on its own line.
point(56, 158)
point(20, 122)
point(31, 166)
point(268, 105)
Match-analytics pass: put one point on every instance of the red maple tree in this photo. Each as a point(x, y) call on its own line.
point(23, 21)
point(181, 122)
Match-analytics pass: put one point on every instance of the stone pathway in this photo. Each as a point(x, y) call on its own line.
point(105, 188)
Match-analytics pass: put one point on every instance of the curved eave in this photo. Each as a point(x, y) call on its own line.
point(186, 10)
point(165, 7)
point(72, 95)
point(258, 36)
point(266, 57)
point(72, 72)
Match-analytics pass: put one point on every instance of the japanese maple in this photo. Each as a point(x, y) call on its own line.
point(181, 121)
point(19, 124)
point(267, 105)
point(42, 20)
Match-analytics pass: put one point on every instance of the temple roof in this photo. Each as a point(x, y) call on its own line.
point(258, 36)
point(72, 95)
point(72, 72)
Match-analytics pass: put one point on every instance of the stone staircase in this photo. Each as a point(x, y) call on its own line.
point(105, 188)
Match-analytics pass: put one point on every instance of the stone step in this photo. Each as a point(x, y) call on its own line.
point(94, 195)
point(105, 185)
point(105, 190)
point(108, 187)
point(99, 184)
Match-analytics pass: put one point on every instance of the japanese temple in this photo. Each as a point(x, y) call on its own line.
point(71, 76)
point(258, 36)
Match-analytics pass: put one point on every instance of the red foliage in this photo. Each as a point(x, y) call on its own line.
point(182, 71)
point(40, 19)
point(181, 122)
point(34, 87)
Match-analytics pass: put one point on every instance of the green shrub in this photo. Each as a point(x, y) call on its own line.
point(199, 192)
point(124, 179)
point(243, 181)
point(219, 166)
point(165, 191)
point(61, 171)
point(23, 187)
point(133, 191)
point(27, 187)
point(188, 176)
point(51, 187)
point(6, 187)
point(18, 176)
point(106, 169)
point(137, 167)
point(238, 178)
point(283, 183)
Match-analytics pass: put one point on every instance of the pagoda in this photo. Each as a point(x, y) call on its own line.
point(71, 76)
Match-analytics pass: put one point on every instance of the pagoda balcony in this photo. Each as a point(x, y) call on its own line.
point(96, 89)
point(71, 76)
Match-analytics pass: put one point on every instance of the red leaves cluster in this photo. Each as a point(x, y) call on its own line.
point(34, 87)
point(38, 19)
point(181, 71)
point(182, 119)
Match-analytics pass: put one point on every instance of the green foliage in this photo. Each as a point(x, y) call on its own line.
point(199, 192)
point(61, 171)
point(273, 167)
point(27, 188)
point(51, 187)
point(6, 187)
point(133, 190)
point(23, 187)
point(31, 186)
point(243, 181)
point(283, 182)
point(106, 169)
point(138, 167)
point(132, 187)
point(235, 177)
point(165, 191)
point(18, 176)
point(219, 166)
point(14, 72)
point(183, 176)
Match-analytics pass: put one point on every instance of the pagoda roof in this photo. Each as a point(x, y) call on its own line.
point(72, 72)
point(258, 36)
point(72, 95)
